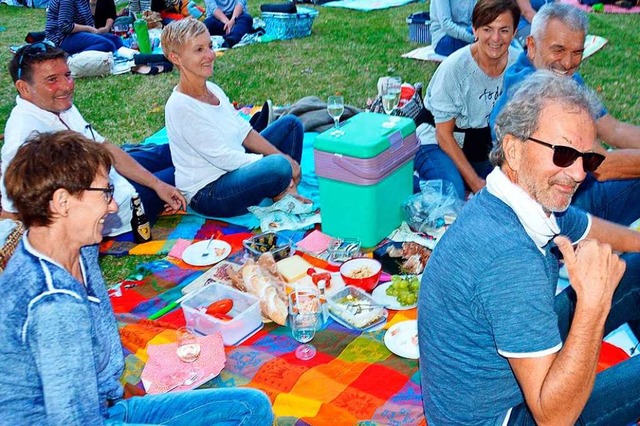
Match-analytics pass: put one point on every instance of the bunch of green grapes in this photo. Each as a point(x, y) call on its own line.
point(404, 288)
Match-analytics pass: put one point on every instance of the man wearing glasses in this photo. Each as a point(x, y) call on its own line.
point(497, 346)
point(45, 104)
point(556, 44)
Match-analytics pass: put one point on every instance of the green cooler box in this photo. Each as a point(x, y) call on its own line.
point(364, 176)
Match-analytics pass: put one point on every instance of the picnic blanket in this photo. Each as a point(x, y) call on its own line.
point(353, 379)
point(367, 5)
point(608, 8)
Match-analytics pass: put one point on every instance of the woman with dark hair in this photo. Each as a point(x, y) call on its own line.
point(61, 352)
point(70, 25)
point(456, 139)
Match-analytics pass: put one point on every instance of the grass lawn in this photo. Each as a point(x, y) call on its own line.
point(346, 53)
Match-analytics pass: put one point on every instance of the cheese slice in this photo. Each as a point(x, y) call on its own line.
point(293, 268)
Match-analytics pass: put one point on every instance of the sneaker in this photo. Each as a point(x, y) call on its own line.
point(260, 120)
point(268, 106)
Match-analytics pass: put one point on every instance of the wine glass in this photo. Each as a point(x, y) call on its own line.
point(391, 98)
point(188, 351)
point(303, 328)
point(335, 108)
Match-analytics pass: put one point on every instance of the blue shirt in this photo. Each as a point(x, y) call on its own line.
point(487, 291)
point(61, 355)
point(516, 74)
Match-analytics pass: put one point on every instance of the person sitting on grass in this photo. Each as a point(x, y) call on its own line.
point(456, 140)
point(497, 345)
point(71, 26)
point(229, 19)
point(62, 357)
point(450, 25)
point(556, 44)
point(222, 165)
point(45, 104)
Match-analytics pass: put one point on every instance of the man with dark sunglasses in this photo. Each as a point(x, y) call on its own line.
point(556, 43)
point(45, 104)
point(497, 345)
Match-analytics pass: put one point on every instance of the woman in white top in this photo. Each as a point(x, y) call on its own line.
point(222, 165)
point(461, 94)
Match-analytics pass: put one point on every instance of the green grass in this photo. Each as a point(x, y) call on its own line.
point(346, 53)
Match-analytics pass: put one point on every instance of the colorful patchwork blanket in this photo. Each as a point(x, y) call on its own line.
point(353, 379)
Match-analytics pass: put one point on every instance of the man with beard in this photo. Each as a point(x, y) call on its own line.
point(45, 104)
point(556, 43)
point(496, 345)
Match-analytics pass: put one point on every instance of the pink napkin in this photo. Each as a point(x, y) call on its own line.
point(316, 242)
point(164, 370)
point(179, 247)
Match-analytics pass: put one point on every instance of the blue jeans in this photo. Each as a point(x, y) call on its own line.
point(614, 200)
point(83, 41)
point(447, 44)
point(233, 192)
point(524, 27)
point(431, 162)
point(615, 399)
point(244, 24)
point(157, 160)
point(225, 407)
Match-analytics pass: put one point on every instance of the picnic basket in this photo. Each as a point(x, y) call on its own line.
point(419, 27)
point(285, 26)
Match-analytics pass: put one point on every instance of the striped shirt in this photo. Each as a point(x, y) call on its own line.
point(63, 14)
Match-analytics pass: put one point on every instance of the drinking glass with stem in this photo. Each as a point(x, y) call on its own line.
point(390, 99)
point(303, 329)
point(188, 351)
point(335, 108)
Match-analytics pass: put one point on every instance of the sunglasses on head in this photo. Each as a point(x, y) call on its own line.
point(37, 47)
point(564, 156)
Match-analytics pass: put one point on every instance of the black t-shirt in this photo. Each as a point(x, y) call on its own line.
point(105, 9)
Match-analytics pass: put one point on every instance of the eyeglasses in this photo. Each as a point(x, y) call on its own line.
point(107, 192)
point(564, 156)
point(40, 46)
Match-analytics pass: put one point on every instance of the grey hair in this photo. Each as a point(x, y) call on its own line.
point(571, 16)
point(520, 116)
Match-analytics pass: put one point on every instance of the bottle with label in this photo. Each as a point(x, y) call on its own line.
point(142, 34)
point(139, 223)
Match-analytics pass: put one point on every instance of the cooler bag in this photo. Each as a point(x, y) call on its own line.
point(364, 176)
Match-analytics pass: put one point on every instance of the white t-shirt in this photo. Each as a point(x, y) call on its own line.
point(460, 89)
point(25, 119)
point(205, 140)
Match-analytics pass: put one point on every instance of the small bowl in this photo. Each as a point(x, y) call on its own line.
point(361, 272)
point(278, 245)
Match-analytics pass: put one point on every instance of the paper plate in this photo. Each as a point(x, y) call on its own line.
point(390, 302)
point(219, 250)
point(402, 339)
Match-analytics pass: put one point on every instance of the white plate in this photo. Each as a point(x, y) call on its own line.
point(390, 302)
point(402, 339)
point(193, 254)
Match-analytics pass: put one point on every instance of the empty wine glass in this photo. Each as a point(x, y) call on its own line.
point(391, 98)
point(188, 351)
point(335, 108)
point(303, 328)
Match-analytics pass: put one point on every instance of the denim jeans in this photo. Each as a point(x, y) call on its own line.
point(614, 200)
point(524, 27)
point(157, 160)
point(233, 192)
point(244, 24)
point(225, 407)
point(615, 399)
point(447, 44)
point(431, 162)
point(83, 41)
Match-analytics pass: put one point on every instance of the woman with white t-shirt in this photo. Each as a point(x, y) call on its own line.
point(222, 165)
point(460, 96)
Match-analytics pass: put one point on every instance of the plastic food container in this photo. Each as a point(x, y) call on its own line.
point(419, 27)
point(355, 309)
point(245, 313)
point(343, 249)
point(278, 245)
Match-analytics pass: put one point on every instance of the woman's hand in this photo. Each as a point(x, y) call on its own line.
point(229, 25)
